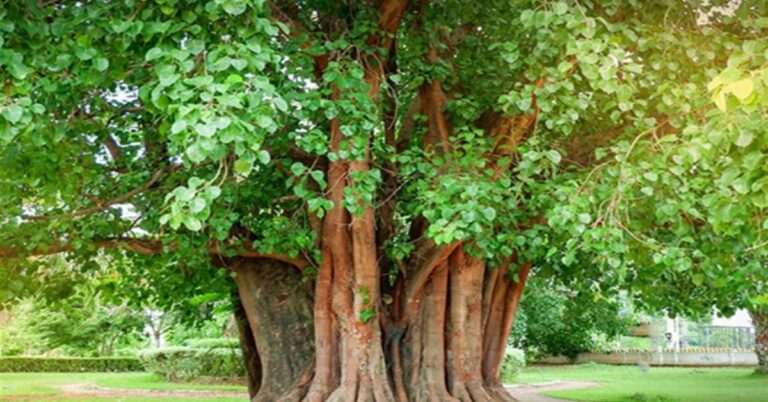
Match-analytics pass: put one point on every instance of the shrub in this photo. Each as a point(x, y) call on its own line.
point(213, 343)
point(68, 364)
point(186, 363)
point(512, 366)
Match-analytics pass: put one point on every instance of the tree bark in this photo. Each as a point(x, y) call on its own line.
point(760, 321)
point(446, 351)
point(278, 307)
point(251, 358)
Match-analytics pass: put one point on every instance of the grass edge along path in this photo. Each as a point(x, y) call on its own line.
point(658, 384)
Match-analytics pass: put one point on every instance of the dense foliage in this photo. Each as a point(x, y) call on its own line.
point(555, 321)
point(84, 324)
point(168, 100)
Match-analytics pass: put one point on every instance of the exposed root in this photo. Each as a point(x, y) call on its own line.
point(318, 392)
point(499, 393)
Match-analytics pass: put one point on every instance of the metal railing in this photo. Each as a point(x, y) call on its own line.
point(714, 336)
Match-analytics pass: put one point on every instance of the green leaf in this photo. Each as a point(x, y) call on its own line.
point(367, 315)
point(212, 192)
point(195, 153)
point(198, 204)
point(184, 194)
point(264, 157)
point(234, 79)
point(554, 156)
point(238, 64)
point(178, 126)
point(720, 101)
point(194, 182)
point(560, 8)
point(243, 166)
point(280, 104)
point(742, 89)
point(264, 121)
point(153, 54)
point(121, 26)
point(234, 7)
point(319, 178)
point(297, 168)
point(101, 64)
point(489, 213)
point(192, 223)
point(19, 70)
point(13, 113)
point(85, 54)
point(205, 129)
point(744, 139)
point(223, 122)
point(585, 218)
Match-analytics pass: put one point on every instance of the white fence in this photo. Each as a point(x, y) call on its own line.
point(665, 357)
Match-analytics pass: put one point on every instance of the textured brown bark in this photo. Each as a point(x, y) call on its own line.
point(465, 346)
point(506, 300)
point(452, 351)
point(760, 321)
point(278, 307)
point(424, 350)
point(251, 357)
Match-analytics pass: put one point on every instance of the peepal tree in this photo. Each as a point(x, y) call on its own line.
point(379, 176)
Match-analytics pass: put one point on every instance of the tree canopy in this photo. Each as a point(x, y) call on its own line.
point(611, 144)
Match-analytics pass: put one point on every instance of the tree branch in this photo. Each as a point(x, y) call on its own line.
point(146, 247)
point(427, 258)
point(106, 204)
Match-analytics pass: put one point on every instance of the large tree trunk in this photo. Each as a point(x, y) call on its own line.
point(443, 342)
point(278, 308)
point(760, 320)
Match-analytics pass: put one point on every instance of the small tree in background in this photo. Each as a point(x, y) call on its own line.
point(555, 320)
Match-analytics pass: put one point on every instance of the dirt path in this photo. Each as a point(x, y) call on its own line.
point(532, 392)
point(89, 390)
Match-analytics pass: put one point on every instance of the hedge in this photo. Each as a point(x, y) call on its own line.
point(68, 364)
point(213, 343)
point(185, 363)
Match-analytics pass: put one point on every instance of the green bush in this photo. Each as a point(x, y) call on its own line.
point(512, 366)
point(186, 363)
point(68, 364)
point(213, 343)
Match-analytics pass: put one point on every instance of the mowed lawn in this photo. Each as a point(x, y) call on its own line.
point(667, 384)
point(56, 386)
point(617, 384)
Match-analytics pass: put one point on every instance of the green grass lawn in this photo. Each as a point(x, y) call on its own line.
point(619, 384)
point(631, 384)
point(46, 386)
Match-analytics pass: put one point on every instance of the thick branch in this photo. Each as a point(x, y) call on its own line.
point(146, 247)
point(426, 259)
